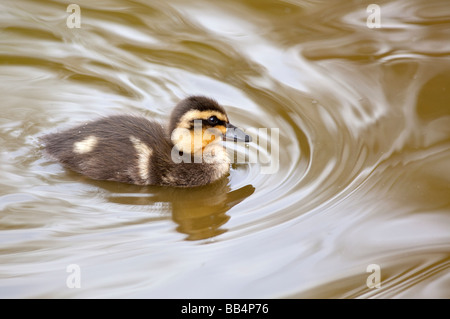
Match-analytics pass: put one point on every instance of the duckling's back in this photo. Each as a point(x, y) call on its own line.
point(120, 148)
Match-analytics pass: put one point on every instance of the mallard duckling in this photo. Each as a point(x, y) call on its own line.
point(135, 150)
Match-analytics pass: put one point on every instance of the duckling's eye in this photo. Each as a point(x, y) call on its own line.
point(213, 120)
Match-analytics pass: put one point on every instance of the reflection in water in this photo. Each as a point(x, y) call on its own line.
point(200, 212)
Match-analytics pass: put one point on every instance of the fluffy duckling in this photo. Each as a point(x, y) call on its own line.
point(135, 150)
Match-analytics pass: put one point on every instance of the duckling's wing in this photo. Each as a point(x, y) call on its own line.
point(118, 148)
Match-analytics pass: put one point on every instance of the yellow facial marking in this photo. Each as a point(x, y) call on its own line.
point(181, 138)
point(222, 129)
point(143, 153)
point(204, 137)
point(186, 119)
point(86, 145)
point(195, 140)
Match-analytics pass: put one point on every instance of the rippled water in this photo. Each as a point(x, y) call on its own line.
point(364, 149)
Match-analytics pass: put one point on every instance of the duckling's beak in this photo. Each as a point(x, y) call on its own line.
point(236, 134)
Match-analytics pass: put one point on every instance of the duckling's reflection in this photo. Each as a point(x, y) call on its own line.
point(200, 212)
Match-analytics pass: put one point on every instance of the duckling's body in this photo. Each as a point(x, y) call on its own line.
point(135, 150)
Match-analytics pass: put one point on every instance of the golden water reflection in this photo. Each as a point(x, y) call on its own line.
point(199, 212)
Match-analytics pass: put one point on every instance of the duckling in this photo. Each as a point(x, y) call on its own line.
point(135, 150)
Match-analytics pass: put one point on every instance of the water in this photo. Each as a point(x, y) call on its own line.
point(364, 149)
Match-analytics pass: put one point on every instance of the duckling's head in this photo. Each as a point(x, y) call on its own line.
point(198, 121)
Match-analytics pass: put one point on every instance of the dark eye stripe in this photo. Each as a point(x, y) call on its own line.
point(206, 123)
point(219, 122)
